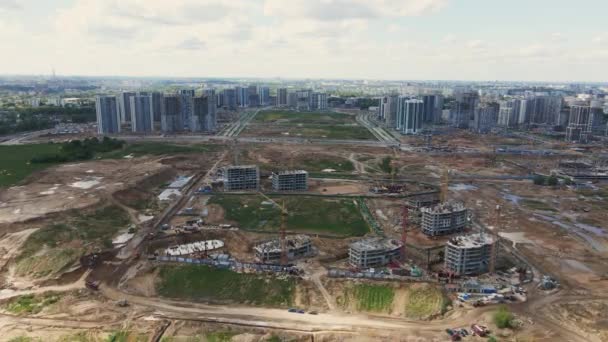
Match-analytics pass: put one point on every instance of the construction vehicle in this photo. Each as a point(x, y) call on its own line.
point(479, 330)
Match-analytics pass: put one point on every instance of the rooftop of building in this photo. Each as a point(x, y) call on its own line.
point(372, 244)
point(290, 172)
point(293, 241)
point(445, 208)
point(234, 167)
point(471, 241)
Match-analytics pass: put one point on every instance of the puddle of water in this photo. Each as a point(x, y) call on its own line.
point(512, 198)
point(592, 229)
point(582, 232)
point(462, 187)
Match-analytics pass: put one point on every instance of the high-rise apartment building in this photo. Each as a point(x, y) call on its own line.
point(387, 110)
point(108, 119)
point(318, 101)
point(264, 95)
point(433, 104)
point(409, 115)
point(282, 97)
point(229, 101)
point(124, 106)
point(170, 117)
point(186, 107)
point(579, 126)
point(242, 97)
point(142, 118)
point(486, 117)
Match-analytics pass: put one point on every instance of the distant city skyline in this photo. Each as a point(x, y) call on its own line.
point(468, 40)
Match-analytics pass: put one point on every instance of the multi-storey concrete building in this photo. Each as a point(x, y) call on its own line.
point(186, 107)
point(229, 96)
point(142, 118)
point(124, 106)
point(580, 124)
point(431, 111)
point(170, 118)
point(292, 99)
point(282, 97)
point(469, 255)
point(108, 119)
point(486, 117)
point(242, 97)
point(264, 95)
point(290, 181)
point(298, 246)
point(318, 101)
point(409, 115)
point(373, 252)
point(303, 99)
point(444, 218)
point(241, 177)
point(387, 110)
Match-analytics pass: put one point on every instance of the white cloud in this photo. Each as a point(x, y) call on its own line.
point(332, 10)
point(6, 5)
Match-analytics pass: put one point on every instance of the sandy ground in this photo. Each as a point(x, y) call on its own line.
point(71, 186)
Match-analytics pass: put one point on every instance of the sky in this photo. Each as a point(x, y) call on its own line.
point(514, 40)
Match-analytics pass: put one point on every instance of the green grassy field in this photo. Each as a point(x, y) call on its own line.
point(370, 298)
point(63, 243)
point(15, 161)
point(311, 125)
point(31, 304)
point(197, 282)
point(306, 214)
point(537, 205)
point(158, 148)
point(424, 302)
point(292, 117)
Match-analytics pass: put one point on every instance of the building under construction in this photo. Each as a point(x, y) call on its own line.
point(469, 255)
point(444, 218)
point(373, 252)
point(290, 180)
point(298, 246)
point(241, 177)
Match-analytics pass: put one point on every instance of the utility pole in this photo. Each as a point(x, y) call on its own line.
point(282, 230)
point(445, 181)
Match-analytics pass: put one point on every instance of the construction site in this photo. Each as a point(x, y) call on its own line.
point(304, 242)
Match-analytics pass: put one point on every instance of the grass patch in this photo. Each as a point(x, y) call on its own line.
point(424, 302)
point(219, 336)
point(31, 304)
point(537, 205)
point(51, 249)
point(16, 165)
point(198, 282)
point(307, 214)
point(126, 336)
point(292, 117)
point(503, 318)
point(371, 298)
point(158, 148)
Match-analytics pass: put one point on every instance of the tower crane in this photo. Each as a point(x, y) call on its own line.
point(282, 232)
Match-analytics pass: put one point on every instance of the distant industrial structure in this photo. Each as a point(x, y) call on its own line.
point(469, 255)
point(290, 180)
point(443, 219)
point(297, 246)
point(241, 177)
point(373, 252)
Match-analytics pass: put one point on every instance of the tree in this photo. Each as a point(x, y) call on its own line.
point(539, 180)
point(503, 318)
point(552, 181)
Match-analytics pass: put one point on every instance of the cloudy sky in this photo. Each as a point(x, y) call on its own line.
point(536, 40)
